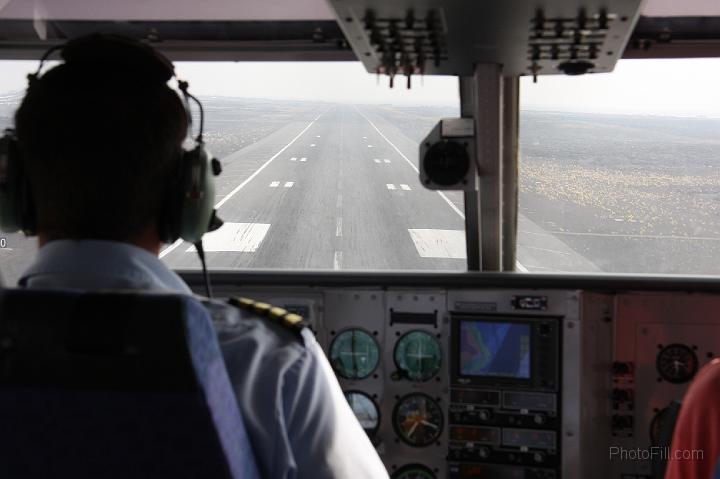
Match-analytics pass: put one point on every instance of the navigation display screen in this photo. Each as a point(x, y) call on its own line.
point(497, 349)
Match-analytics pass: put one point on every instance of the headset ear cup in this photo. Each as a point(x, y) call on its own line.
point(169, 221)
point(198, 198)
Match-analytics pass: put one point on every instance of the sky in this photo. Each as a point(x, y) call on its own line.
point(686, 87)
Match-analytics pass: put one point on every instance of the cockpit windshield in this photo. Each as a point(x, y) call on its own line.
point(320, 170)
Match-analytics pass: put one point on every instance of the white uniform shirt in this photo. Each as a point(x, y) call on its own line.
point(296, 415)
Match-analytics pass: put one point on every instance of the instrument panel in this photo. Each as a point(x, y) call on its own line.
point(506, 383)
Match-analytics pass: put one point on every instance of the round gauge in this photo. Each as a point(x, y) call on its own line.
point(418, 420)
point(365, 410)
point(413, 471)
point(418, 356)
point(354, 354)
point(677, 363)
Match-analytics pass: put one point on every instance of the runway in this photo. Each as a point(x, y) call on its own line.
point(338, 192)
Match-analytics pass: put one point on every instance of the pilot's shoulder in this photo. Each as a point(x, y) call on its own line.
point(243, 317)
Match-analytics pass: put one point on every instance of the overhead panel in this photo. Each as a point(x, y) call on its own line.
point(449, 37)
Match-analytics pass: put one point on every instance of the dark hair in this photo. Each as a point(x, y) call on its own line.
point(101, 148)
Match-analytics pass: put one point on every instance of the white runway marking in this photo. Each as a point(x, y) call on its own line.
point(337, 260)
point(405, 187)
point(312, 145)
point(338, 226)
point(390, 186)
point(293, 159)
point(369, 146)
point(317, 136)
point(386, 161)
point(432, 243)
point(364, 137)
point(274, 184)
point(288, 184)
point(338, 203)
point(376, 160)
point(239, 237)
point(303, 159)
point(239, 187)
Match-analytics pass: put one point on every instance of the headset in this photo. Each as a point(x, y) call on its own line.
point(188, 211)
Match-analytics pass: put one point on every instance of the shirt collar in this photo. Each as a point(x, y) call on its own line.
point(98, 264)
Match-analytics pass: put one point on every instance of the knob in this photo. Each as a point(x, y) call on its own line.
point(539, 419)
point(484, 452)
point(484, 415)
point(539, 457)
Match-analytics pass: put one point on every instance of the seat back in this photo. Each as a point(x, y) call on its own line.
point(115, 385)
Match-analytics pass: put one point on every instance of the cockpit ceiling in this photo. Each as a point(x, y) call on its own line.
point(246, 10)
point(289, 30)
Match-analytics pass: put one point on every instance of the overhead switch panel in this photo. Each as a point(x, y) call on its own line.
point(449, 37)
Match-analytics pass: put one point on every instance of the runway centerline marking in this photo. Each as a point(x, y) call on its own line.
point(390, 186)
point(274, 184)
point(293, 158)
point(288, 184)
point(338, 226)
point(303, 159)
point(386, 161)
point(519, 266)
point(405, 187)
point(177, 243)
point(312, 145)
point(337, 260)
point(376, 160)
point(338, 203)
point(369, 146)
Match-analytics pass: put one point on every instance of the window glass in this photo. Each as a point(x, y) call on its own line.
point(320, 169)
point(620, 172)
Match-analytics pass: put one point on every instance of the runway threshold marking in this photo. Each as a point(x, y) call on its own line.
point(518, 265)
point(170, 248)
point(238, 237)
point(435, 243)
point(405, 187)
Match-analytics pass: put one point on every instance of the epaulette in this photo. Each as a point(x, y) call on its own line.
point(280, 316)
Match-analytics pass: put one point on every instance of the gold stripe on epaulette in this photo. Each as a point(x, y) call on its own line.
point(244, 302)
point(293, 319)
point(262, 308)
point(277, 313)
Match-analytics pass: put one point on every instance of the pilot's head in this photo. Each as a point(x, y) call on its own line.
point(101, 136)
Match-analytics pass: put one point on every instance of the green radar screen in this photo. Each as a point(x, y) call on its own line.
point(354, 354)
point(413, 471)
point(418, 356)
